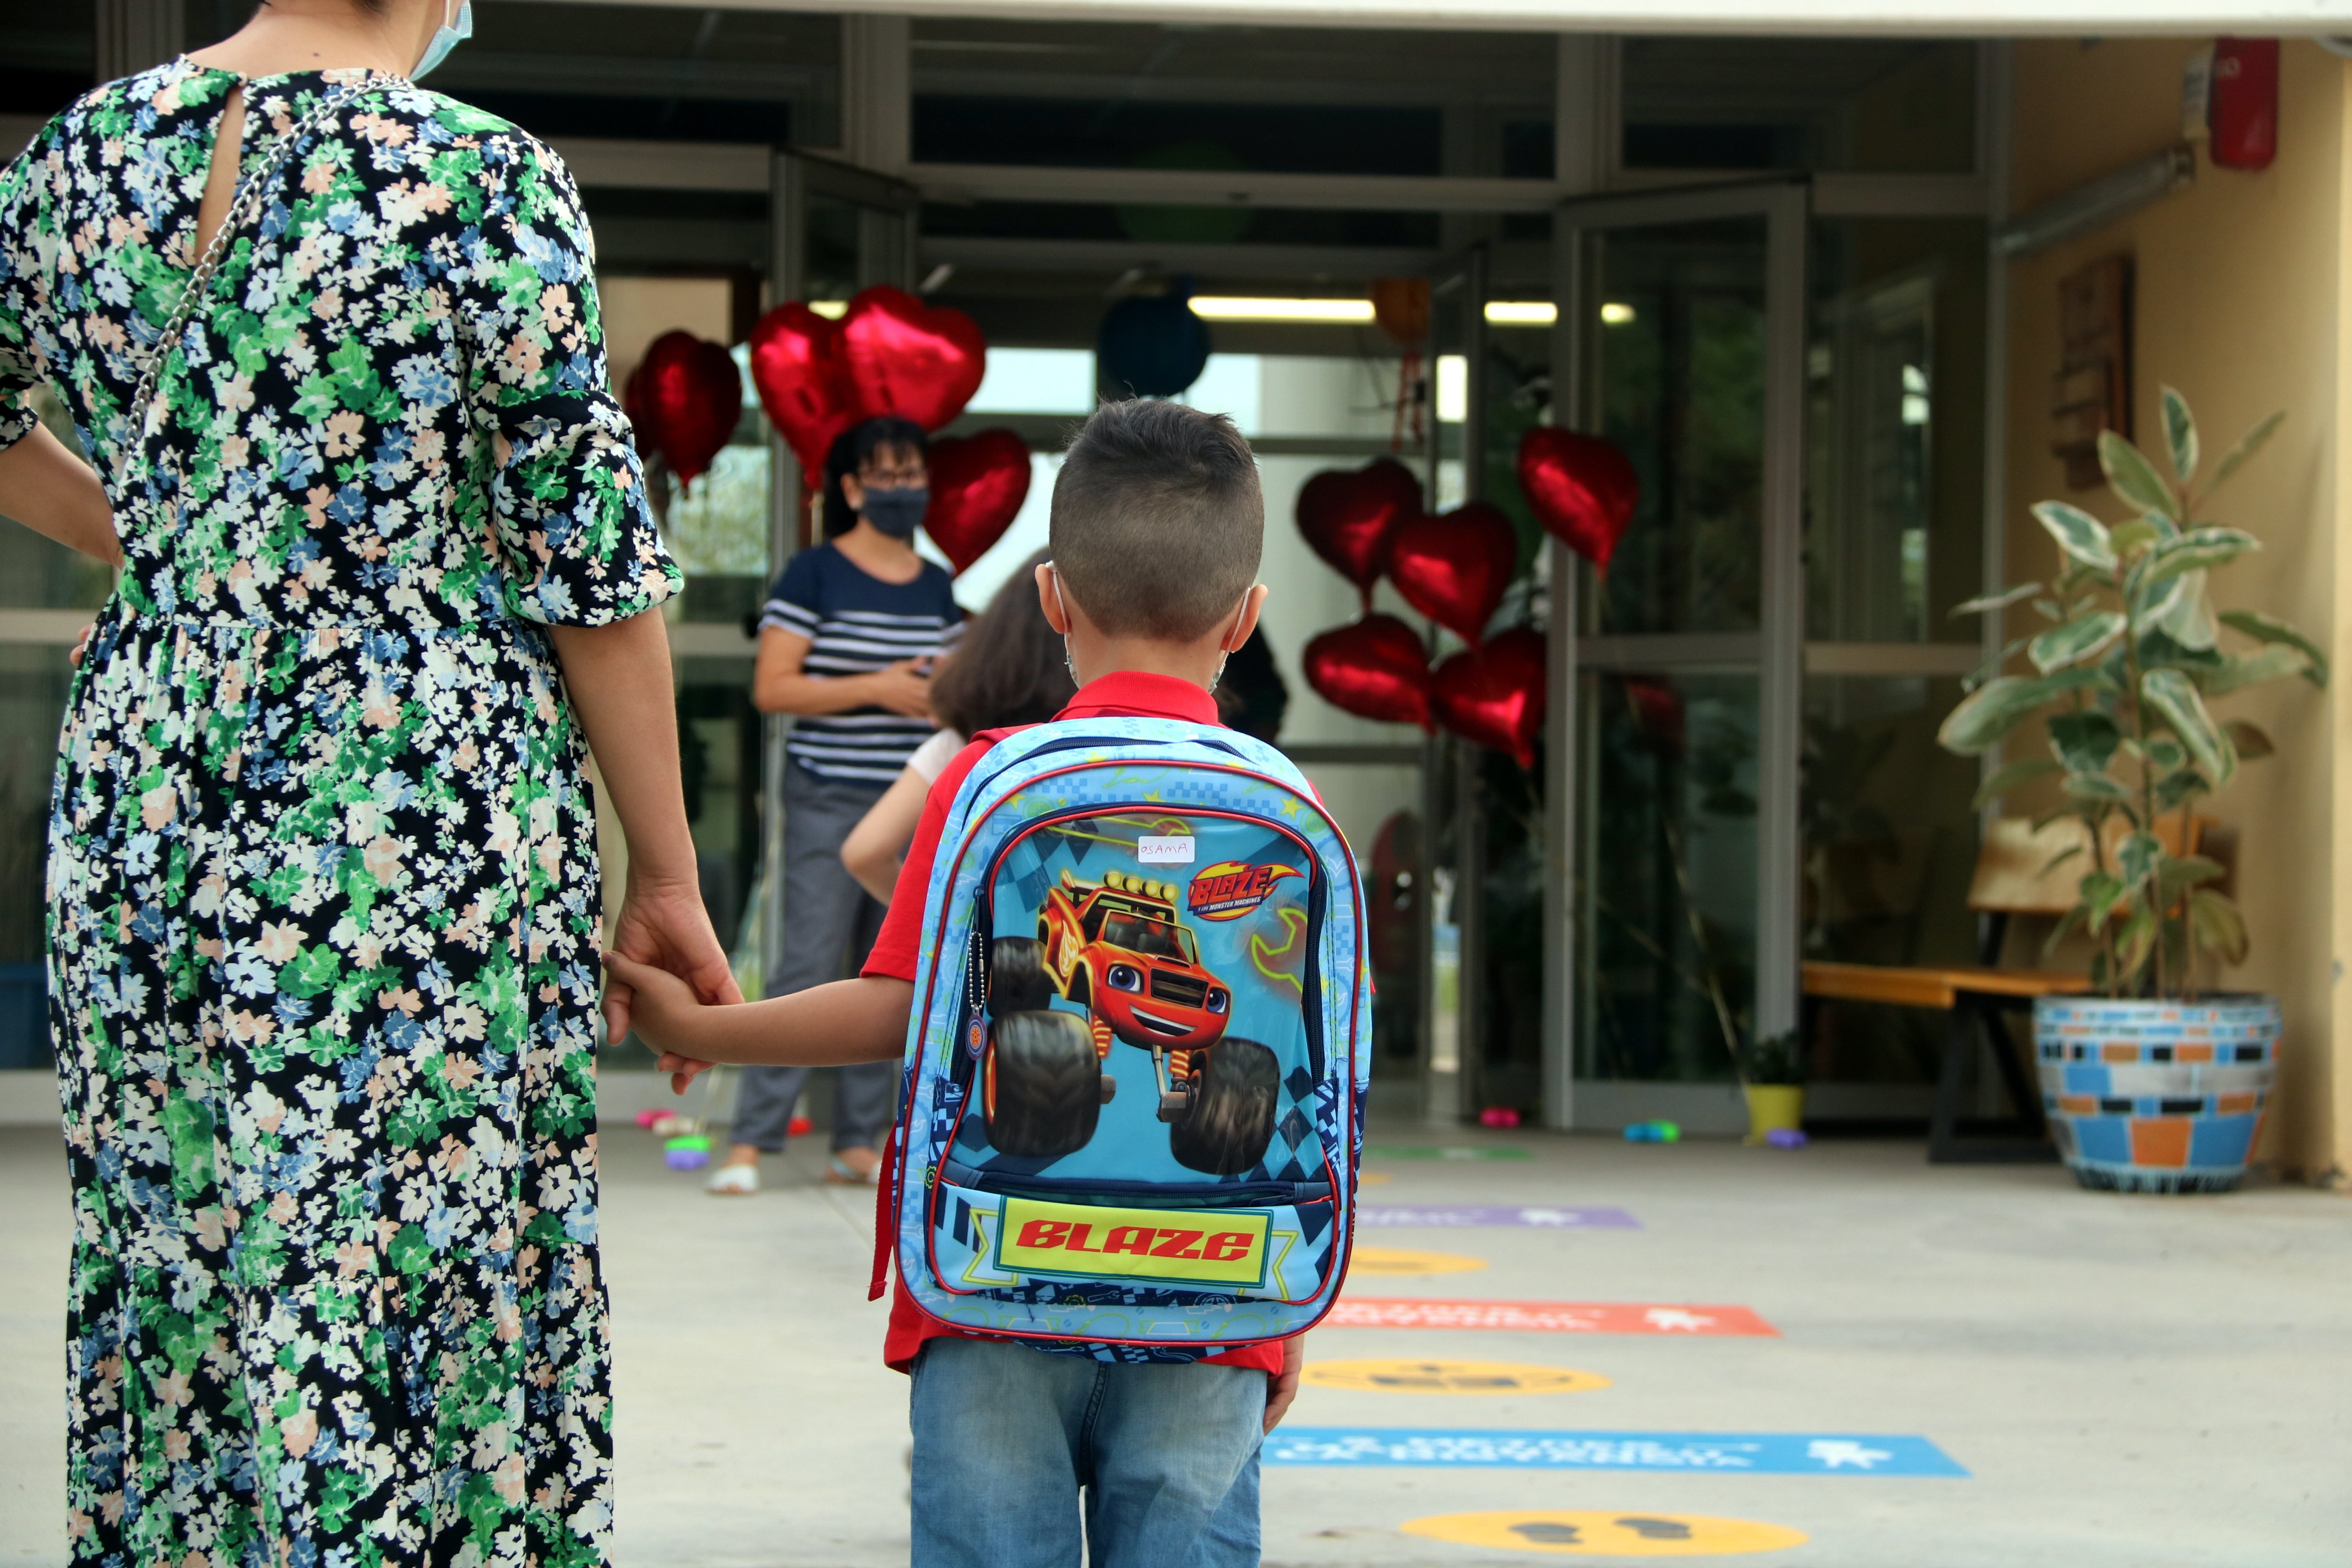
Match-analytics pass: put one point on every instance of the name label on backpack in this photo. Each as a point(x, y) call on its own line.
point(1217, 1246)
point(1164, 849)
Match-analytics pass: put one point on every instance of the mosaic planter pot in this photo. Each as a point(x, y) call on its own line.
point(2156, 1097)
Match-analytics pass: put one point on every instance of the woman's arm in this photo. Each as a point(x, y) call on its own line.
point(619, 678)
point(874, 847)
point(778, 686)
point(51, 491)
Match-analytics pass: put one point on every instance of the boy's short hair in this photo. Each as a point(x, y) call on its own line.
point(1157, 520)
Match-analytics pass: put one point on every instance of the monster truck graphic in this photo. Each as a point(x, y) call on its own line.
point(1117, 950)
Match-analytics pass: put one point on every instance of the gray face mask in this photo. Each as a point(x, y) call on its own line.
point(897, 510)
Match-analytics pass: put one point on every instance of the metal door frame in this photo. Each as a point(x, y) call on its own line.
point(1778, 643)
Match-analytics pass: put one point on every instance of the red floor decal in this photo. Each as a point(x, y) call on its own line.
point(1547, 1317)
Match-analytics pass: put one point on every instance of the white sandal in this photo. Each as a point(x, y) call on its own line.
point(735, 1181)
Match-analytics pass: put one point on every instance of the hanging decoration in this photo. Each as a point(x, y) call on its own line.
point(796, 369)
point(1583, 490)
point(1400, 309)
point(1455, 568)
point(906, 358)
point(685, 399)
point(978, 483)
point(1348, 515)
point(1374, 668)
point(1494, 696)
point(1152, 345)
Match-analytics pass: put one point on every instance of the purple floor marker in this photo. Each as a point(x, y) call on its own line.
point(1536, 1217)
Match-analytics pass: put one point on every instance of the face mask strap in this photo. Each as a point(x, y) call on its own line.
point(1224, 652)
point(1069, 659)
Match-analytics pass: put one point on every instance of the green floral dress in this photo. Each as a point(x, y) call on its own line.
point(322, 873)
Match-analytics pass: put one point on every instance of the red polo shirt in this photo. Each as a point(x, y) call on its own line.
point(1126, 695)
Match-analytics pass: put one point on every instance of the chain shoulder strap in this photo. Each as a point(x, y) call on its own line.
point(247, 201)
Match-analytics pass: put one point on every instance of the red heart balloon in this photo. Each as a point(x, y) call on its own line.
point(905, 358)
point(1582, 488)
point(1495, 695)
point(1374, 669)
point(1454, 568)
point(796, 366)
point(685, 397)
point(1348, 515)
point(978, 483)
point(1659, 716)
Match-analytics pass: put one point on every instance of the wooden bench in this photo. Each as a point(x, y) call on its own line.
point(2013, 877)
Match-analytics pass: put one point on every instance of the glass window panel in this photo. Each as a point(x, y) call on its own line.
point(1799, 103)
point(1889, 847)
point(33, 681)
point(1313, 101)
point(1895, 429)
point(35, 572)
point(51, 58)
point(1668, 893)
point(1680, 362)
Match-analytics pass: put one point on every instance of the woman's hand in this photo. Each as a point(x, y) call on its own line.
point(904, 687)
point(663, 926)
point(1283, 1387)
point(81, 645)
point(665, 1011)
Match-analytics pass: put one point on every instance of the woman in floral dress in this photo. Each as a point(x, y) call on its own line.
point(322, 872)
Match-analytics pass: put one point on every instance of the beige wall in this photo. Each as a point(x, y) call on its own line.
point(2241, 306)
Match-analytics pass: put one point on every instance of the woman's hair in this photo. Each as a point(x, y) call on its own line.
point(1009, 668)
point(850, 450)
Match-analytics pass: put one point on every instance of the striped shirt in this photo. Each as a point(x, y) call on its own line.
point(856, 624)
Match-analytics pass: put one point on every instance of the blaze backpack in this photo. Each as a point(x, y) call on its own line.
point(1136, 1067)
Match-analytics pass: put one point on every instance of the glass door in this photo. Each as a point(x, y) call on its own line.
point(1682, 320)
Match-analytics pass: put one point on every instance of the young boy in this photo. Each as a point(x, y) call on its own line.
point(1156, 531)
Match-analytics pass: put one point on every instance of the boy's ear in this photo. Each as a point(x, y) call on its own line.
point(1238, 632)
point(1049, 601)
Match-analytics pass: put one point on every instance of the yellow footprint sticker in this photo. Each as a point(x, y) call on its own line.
point(1373, 1178)
point(1401, 1260)
point(1594, 1533)
point(1451, 1377)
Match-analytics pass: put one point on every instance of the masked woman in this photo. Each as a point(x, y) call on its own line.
point(846, 643)
point(322, 881)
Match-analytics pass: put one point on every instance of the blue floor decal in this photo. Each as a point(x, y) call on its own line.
point(1540, 1217)
point(1758, 1453)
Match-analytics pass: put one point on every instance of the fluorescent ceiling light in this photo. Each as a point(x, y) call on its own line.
point(1453, 389)
point(1238, 308)
point(831, 310)
point(1616, 313)
point(1521, 312)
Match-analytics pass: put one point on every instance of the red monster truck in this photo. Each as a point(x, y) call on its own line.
point(1117, 949)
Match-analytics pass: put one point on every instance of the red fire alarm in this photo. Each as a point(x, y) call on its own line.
point(2243, 113)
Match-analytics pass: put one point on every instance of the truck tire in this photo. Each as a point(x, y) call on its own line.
point(1231, 1120)
point(1017, 981)
point(1047, 1085)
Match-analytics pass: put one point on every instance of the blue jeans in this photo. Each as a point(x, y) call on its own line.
point(1006, 1439)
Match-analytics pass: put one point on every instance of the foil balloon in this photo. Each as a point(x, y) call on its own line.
point(1494, 695)
point(1346, 517)
point(978, 483)
point(1582, 488)
point(1454, 568)
point(913, 361)
point(797, 369)
point(1374, 668)
point(685, 398)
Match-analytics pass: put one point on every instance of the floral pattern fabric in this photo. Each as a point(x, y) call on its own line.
point(322, 874)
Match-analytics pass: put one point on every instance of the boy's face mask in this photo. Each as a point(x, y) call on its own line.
point(895, 510)
point(446, 37)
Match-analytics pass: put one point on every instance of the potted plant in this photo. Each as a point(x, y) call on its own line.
point(2150, 1086)
point(1772, 1077)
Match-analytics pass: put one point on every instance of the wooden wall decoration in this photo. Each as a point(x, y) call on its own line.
point(2093, 390)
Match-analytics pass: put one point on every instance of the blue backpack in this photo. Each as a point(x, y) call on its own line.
point(1136, 1067)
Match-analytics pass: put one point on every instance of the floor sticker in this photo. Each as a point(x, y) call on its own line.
point(1400, 1260)
point(1591, 1532)
point(1451, 1377)
point(1540, 1317)
point(1436, 1152)
point(1537, 1217)
point(1373, 1178)
point(1758, 1453)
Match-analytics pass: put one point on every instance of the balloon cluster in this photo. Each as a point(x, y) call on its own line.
point(1454, 568)
point(889, 354)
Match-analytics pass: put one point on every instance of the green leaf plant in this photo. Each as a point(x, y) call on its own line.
point(2122, 677)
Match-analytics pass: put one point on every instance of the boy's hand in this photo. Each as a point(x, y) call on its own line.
point(665, 1011)
point(1281, 1388)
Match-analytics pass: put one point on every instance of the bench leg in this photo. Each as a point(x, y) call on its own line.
point(1951, 1088)
point(2022, 1093)
point(1973, 1019)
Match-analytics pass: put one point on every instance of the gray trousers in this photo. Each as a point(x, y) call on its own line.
point(830, 923)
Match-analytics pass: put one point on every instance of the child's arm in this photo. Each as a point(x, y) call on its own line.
point(861, 1020)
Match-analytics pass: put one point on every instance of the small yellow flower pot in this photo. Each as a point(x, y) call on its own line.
point(1774, 1108)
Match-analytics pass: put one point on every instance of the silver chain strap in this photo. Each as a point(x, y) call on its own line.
point(249, 193)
